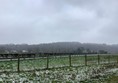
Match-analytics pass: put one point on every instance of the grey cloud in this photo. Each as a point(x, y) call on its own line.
point(38, 21)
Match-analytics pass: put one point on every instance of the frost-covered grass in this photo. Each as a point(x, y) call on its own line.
point(64, 74)
point(8, 66)
point(85, 74)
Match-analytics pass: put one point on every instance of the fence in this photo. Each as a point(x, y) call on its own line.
point(27, 62)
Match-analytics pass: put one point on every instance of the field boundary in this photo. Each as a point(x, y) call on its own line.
point(48, 56)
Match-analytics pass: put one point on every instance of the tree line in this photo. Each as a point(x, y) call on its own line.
point(59, 47)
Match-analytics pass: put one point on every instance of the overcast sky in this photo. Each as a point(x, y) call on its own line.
point(44, 21)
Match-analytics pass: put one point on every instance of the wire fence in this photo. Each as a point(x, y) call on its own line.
point(28, 62)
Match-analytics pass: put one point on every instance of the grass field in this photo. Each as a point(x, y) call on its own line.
point(61, 69)
point(56, 61)
point(85, 74)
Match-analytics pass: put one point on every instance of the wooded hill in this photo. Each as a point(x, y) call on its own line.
point(59, 47)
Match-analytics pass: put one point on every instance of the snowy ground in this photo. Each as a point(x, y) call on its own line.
point(87, 74)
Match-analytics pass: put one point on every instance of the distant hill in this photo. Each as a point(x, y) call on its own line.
point(59, 47)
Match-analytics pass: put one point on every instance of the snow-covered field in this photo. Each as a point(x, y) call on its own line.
point(86, 74)
point(59, 70)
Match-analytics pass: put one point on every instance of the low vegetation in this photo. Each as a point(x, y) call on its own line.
point(85, 74)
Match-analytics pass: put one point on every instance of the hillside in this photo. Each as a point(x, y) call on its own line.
point(66, 47)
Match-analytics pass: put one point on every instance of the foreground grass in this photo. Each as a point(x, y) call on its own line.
point(113, 79)
point(85, 74)
point(60, 70)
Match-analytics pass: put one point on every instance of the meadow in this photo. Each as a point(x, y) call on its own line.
point(60, 69)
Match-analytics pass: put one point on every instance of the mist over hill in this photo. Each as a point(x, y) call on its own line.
point(59, 47)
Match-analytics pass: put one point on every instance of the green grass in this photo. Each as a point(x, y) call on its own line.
point(78, 60)
point(8, 66)
point(60, 61)
point(93, 73)
point(113, 79)
point(33, 64)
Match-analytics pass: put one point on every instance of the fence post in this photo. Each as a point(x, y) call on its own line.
point(70, 61)
point(98, 59)
point(18, 68)
point(47, 62)
point(85, 59)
